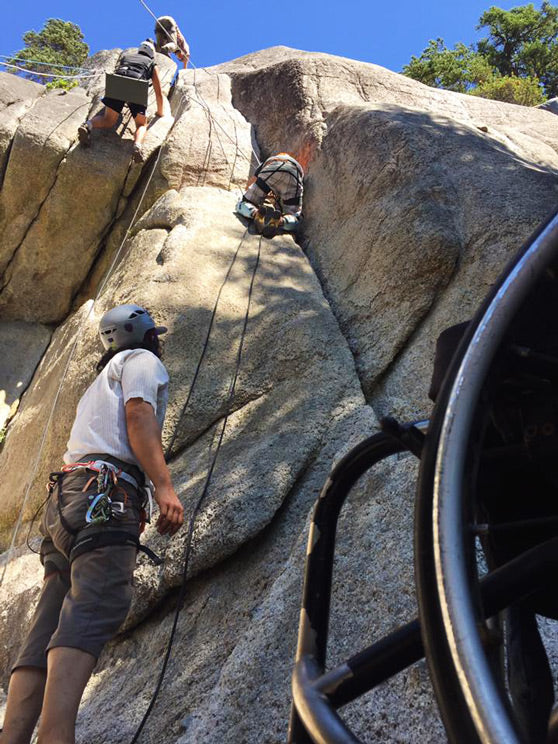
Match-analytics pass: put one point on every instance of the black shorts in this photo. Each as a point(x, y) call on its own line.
point(116, 105)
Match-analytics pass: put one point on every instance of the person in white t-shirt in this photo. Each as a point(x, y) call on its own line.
point(91, 528)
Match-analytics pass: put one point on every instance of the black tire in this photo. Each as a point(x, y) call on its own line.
point(472, 703)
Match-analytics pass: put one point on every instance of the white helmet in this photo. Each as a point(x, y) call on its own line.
point(126, 325)
point(147, 47)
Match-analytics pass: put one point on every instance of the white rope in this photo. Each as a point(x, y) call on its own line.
point(204, 104)
point(15, 58)
point(248, 159)
point(157, 21)
point(49, 74)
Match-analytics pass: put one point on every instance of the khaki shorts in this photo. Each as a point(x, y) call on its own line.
point(81, 605)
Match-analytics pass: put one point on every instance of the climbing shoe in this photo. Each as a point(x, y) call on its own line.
point(84, 134)
point(137, 154)
point(268, 220)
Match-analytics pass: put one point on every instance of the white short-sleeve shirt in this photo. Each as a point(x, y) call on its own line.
point(100, 422)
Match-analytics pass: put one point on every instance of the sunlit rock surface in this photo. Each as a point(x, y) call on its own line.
point(415, 200)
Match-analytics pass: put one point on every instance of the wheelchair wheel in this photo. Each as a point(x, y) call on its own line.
point(507, 361)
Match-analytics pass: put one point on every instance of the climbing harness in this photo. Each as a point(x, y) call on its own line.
point(103, 506)
point(287, 164)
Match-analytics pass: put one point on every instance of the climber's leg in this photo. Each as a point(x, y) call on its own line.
point(25, 699)
point(141, 129)
point(105, 119)
point(246, 209)
point(69, 670)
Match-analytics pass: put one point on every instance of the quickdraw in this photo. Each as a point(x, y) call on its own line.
point(102, 507)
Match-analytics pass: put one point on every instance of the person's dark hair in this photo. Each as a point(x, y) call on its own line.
point(151, 342)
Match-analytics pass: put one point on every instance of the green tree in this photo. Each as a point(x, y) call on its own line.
point(522, 43)
point(59, 45)
point(458, 69)
point(526, 91)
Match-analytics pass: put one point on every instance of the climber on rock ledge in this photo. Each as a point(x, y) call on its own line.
point(138, 65)
point(273, 198)
point(169, 39)
point(91, 525)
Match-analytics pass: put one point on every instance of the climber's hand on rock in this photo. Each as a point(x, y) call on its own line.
point(171, 515)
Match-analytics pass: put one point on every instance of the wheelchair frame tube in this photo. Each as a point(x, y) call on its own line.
point(482, 697)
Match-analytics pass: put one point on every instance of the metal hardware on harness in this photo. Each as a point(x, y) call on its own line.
point(102, 507)
point(96, 465)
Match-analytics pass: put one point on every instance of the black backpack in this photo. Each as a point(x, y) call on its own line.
point(134, 65)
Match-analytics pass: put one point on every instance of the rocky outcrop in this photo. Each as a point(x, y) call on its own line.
point(23, 345)
point(550, 105)
point(451, 184)
point(415, 199)
point(47, 171)
point(17, 96)
point(287, 95)
point(439, 226)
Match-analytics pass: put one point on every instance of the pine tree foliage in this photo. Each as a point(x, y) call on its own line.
point(57, 50)
point(516, 62)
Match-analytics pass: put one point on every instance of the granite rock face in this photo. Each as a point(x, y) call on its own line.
point(23, 345)
point(48, 247)
point(16, 97)
point(439, 226)
point(287, 94)
point(415, 200)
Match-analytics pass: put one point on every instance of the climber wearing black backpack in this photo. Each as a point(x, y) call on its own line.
point(139, 65)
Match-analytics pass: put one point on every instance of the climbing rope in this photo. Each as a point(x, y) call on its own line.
point(202, 101)
point(254, 154)
point(199, 99)
point(13, 58)
point(213, 462)
point(81, 76)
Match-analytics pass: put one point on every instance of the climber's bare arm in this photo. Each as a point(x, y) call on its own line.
point(158, 92)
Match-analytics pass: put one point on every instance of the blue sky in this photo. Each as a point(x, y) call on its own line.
point(386, 33)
